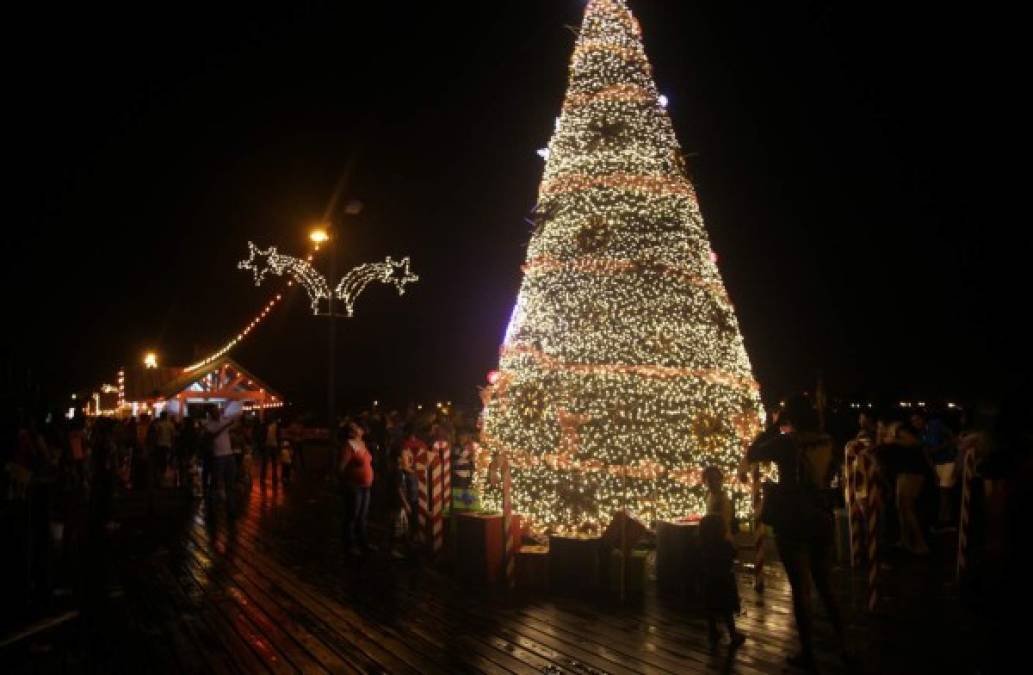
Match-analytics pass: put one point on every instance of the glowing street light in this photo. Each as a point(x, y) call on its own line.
point(150, 360)
point(319, 236)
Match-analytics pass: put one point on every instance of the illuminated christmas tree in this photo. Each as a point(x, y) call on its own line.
point(623, 372)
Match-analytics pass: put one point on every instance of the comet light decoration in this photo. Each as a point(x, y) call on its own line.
point(623, 373)
point(388, 272)
point(261, 262)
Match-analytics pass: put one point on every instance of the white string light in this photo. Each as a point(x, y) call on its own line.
point(262, 262)
point(351, 285)
point(388, 272)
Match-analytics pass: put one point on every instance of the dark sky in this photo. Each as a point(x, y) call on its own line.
point(839, 150)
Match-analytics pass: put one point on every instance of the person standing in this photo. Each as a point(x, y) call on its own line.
point(164, 433)
point(270, 451)
point(720, 593)
point(103, 461)
point(355, 470)
point(718, 502)
point(78, 451)
point(801, 515)
point(748, 473)
point(187, 443)
point(401, 505)
point(911, 469)
point(224, 465)
point(943, 451)
point(295, 433)
point(463, 466)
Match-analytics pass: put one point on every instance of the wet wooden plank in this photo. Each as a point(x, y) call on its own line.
point(223, 635)
point(382, 616)
point(269, 629)
point(570, 651)
point(245, 622)
point(214, 652)
point(377, 641)
point(487, 656)
point(286, 616)
point(190, 656)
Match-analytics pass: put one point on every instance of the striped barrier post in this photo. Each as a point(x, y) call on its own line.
point(446, 477)
point(874, 507)
point(437, 527)
point(423, 512)
point(965, 522)
point(852, 478)
point(508, 554)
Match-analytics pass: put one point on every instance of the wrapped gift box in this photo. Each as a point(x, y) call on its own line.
point(574, 564)
point(478, 549)
point(635, 573)
point(678, 558)
point(532, 567)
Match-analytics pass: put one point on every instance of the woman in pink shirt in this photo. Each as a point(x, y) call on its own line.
point(355, 470)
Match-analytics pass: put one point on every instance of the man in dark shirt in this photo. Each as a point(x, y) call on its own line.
point(804, 458)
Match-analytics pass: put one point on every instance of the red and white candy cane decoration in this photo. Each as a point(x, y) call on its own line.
point(853, 480)
point(508, 555)
point(874, 506)
point(423, 513)
point(437, 526)
point(443, 451)
point(965, 524)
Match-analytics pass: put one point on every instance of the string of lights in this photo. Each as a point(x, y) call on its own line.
point(388, 272)
point(250, 326)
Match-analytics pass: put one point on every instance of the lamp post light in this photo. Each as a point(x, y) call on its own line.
point(345, 290)
point(324, 234)
point(319, 236)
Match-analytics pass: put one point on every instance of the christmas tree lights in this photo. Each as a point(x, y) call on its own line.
point(623, 373)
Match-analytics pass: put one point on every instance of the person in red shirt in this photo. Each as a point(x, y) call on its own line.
point(355, 469)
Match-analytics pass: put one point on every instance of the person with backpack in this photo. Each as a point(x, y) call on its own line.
point(799, 509)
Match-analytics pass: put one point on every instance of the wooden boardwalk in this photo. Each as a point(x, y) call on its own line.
point(273, 592)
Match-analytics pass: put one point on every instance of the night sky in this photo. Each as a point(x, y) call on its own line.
point(839, 152)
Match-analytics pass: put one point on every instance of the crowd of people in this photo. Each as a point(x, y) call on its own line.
point(61, 476)
point(384, 450)
point(64, 474)
point(917, 456)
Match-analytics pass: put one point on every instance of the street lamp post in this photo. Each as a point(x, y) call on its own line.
point(319, 237)
point(331, 382)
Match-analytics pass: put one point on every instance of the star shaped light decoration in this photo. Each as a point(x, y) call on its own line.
point(258, 261)
point(388, 272)
point(261, 262)
point(398, 273)
point(570, 430)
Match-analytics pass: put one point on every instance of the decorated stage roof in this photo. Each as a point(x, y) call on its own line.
point(222, 378)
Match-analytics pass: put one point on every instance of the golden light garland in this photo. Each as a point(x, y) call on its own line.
point(623, 93)
point(711, 376)
point(658, 185)
point(623, 372)
point(544, 265)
